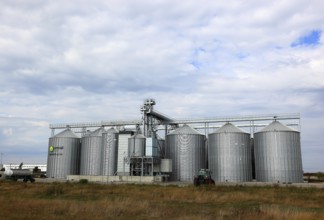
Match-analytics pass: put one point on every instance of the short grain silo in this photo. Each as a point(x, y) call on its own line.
point(63, 155)
point(229, 154)
point(278, 154)
point(136, 145)
point(109, 152)
point(186, 148)
point(91, 153)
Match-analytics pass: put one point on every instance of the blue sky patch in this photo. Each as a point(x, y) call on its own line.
point(311, 39)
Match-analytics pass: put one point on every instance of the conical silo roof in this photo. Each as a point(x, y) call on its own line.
point(97, 133)
point(111, 131)
point(68, 133)
point(185, 129)
point(229, 128)
point(276, 126)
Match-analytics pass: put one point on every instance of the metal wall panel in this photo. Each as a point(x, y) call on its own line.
point(123, 168)
point(91, 153)
point(186, 148)
point(278, 154)
point(110, 152)
point(229, 155)
point(63, 155)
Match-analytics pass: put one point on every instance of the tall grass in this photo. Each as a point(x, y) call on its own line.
point(93, 201)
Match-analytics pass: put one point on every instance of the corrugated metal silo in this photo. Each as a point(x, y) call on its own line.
point(91, 153)
point(63, 155)
point(186, 147)
point(136, 145)
point(229, 154)
point(161, 147)
point(109, 152)
point(278, 154)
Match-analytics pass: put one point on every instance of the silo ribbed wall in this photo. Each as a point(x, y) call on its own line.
point(110, 151)
point(278, 156)
point(136, 146)
point(63, 156)
point(91, 154)
point(187, 151)
point(161, 148)
point(229, 155)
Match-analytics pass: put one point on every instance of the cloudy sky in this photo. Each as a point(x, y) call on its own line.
point(80, 61)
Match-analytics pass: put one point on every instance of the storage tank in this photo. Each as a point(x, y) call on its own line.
point(161, 147)
point(278, 154)
point(91, 153)
point(63, 155)
point(136, 145)
point(229, 154)
point(109, 152)
point(186, 147)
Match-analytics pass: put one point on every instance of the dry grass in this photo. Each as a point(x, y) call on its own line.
point(93, 201)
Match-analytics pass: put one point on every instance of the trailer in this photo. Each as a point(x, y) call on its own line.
point(15, 174)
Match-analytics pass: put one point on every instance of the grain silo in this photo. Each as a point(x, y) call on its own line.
point(161, 147)
point(91, 153)
point(229, 154)
point(278, 154)
point(63, 155)
point(186, 147)
point(136, 145)
point(109, 152)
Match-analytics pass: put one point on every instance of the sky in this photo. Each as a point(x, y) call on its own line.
point(83, 61)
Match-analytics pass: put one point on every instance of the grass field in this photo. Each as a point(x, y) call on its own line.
point(20, 200)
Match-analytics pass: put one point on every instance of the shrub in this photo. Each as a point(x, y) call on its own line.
point(83, 181)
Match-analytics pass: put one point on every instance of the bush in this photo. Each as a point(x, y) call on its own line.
point(83, 181)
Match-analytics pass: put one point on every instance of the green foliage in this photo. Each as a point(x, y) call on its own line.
point(83, 181)
point(320, 175)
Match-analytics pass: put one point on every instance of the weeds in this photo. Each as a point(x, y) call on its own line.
point(54, 190)
point(132, 201)
point(83, 181)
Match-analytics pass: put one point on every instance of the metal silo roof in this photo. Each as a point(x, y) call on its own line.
point(185, 129)
point(112, 131)
point(276, 126)
point(67, 133)
point(229, 128)
point(97, 133)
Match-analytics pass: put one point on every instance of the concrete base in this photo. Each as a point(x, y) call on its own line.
point(110, 179)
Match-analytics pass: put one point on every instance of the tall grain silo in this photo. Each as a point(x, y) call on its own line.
point(109, 152)
point(136, 145)
point(229, 154)
point(186, 147)
point(91, 153)
point(63, 155)
point(278, 154)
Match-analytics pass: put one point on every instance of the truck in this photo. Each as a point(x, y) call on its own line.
point(15, 174)
point(203, 177)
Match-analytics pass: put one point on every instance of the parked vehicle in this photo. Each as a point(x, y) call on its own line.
point(203, 177)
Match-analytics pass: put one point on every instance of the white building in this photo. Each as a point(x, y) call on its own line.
point(42, 167)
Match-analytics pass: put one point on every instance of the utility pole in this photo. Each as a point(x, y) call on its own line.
point(1, 157)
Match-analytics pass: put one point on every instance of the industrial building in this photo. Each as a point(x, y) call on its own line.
point(263, 148)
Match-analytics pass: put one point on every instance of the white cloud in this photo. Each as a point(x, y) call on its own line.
point(7, 131)
point(75, 61)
